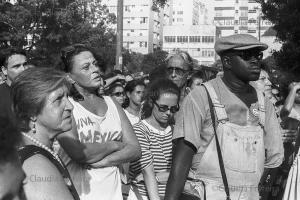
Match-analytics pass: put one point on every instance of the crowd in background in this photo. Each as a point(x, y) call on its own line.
point(78, 133)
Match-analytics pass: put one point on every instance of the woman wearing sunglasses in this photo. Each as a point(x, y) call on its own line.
point(101, 138)
point(150, 173)
point(116, 91)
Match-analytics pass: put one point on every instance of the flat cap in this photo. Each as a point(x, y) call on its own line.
point(238, 42)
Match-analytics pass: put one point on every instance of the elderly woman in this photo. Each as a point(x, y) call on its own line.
point(101, 136)
point(43, 111)
point(149, 174)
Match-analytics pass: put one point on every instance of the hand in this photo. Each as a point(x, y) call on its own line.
point(128, 78)
point(289, 135)
point(294, 86)
point(162, 177)
point(121, 77)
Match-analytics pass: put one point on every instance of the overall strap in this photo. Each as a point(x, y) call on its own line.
point(219, 108)
point(261, 107)
point(220, 158)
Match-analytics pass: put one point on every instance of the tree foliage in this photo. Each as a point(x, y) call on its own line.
point(53, 24)
point(285, 16)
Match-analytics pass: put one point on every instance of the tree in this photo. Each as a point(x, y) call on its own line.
point(285, 17)
point(53, 24)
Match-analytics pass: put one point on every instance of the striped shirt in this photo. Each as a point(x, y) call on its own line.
point(156, 149)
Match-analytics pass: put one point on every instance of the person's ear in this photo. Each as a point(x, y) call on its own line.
point(128, 94)
point(227, 62)
point(4, 70)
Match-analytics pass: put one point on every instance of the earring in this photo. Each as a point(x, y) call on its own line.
point(33, 128)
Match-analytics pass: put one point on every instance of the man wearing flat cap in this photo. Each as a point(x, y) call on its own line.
point(245, 122)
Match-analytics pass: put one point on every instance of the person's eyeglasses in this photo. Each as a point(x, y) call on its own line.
point(118, 94)
point(177, 70)
point(165, 108)
point(248, 55)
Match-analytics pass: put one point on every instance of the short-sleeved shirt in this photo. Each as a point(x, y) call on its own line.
point(156, 149)
point(194, 122)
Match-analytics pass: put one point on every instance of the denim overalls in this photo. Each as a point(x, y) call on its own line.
point(243, 155)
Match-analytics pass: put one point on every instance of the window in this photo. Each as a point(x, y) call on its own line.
point(208, 53)
point(131, 30)
point(252, 21)
point(128, 34)
point(182, 39)
point(141, 34)
point(251, 11)
point(127, 8)
point(236, 11)
point(143, 20)
point(179, 19)
point(236, 31)
point(208, 39)
point(143, 44)
point(180, 12)
point(170, 39)
point(251, 31)
point(195, 39)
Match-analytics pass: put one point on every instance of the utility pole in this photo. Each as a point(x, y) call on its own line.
point(119, 57)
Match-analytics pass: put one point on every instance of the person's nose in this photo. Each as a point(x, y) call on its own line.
point(173, 73)
point(69, 105)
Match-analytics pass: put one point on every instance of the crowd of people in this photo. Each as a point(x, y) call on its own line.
point(78, 133)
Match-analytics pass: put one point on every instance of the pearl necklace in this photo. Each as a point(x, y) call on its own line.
point(39, 144)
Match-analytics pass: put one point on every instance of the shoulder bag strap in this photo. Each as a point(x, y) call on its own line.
point(221, 163)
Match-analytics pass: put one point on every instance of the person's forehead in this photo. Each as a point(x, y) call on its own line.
point(84, 56)
point(177, 62)
point(119, 88)
point(16, 59)
point(139, 88)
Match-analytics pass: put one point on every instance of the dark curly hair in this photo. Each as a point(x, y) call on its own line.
point(154, 91)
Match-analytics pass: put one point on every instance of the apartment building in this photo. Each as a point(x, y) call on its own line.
point(239, 16)
point(142, 24)
point(188, 13)
point(197, 40)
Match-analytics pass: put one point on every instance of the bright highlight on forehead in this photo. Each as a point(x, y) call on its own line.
point(167, 95)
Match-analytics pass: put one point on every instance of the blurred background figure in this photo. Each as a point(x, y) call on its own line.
point(134, 93)
point(179, 65)
point(14, 61)
point(116, 91)
point(12, 175)
point(43, 111)
point(195, 80)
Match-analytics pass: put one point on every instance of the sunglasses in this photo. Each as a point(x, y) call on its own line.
point(165, 108)
point(118, 94)
point(248, 55)
point(177, 70)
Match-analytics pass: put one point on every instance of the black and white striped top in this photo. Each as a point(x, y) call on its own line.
point(156, 148)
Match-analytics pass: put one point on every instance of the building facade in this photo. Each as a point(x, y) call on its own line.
point(197, 40)
point(142, 24)
point(188, 13)
point(239, 16)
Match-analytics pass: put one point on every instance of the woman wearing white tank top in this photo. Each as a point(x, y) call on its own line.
point(101, 138)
